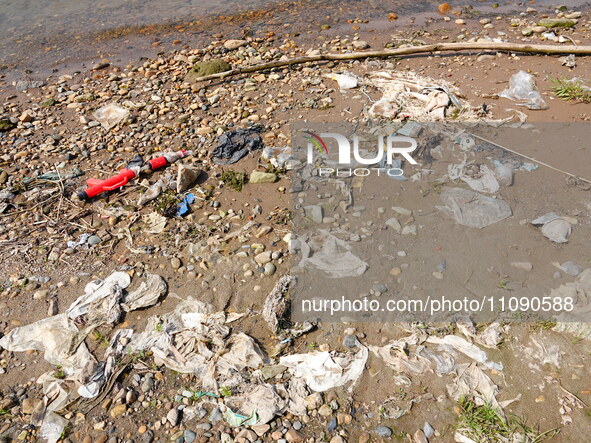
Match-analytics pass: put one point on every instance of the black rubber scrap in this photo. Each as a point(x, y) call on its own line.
point(233, 145)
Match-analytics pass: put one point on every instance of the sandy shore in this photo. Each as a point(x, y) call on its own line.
point(51, 127)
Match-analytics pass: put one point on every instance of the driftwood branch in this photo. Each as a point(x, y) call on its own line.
point(411, 50)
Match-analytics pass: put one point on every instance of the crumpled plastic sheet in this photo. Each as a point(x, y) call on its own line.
point(468, 208)
point(155, 223)
point(234, 145)
point(522, 90)
point(275, 306)
point(195, 339)
point(465, 347)
point(326, 252)
point(60, 341)
point(414, 97)
point(82, 239)
point(52, 427)
point(345, 80)
point(101, 300)
point(576, 321)
point(554, 228)
point(323, 371)
point(490, 337)
point(395, 407)
point(473, 382)
point(262, 402)
point(540, 353)
point(109, 115)
point(485, 182)
point(152, 192)
point(63, 345)
point(397, 355)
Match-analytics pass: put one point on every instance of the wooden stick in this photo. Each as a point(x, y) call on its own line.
point(489, 46)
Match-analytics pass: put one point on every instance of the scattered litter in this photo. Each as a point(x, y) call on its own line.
point(554, 227)
point(194, 339)
point(257, 406)
point(54, 176)
point(279, 157)
point(101, 299)
point(275, 312)
point(522, 89)
point(516, 164)
point(155, 223)
point(322, 371)
point(345, 80)
point(326, 252)
point(472, 382)
point(395, 407)
point(109, 115)
point(234, 145)
point(151, 193)
point(541, 354)
point(413, 97)
point(235, 420)
point(568, 61)
point(579, 291)
point(147, 294)
point(53, 427)
point(504, 174)
point(479, 178)
point(468, 208)
point(569, 267)
point(184, 207)
point(466, 348)
point(82, 239)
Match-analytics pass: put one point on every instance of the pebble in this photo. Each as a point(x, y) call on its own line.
point(360, 44)
point(94, 240)
point(315, 213)
point(262, 177)
point(28, 405)
point(147, 384)
point(175, 263)
point(409, 230)
point(523, 265)
point(394, 224)
point(332, 425)
point(313, 401)
point(234, 44)
point(294, 436)
point(325, 410)
point(270, 269)
point(41, 294)
point(384, 431)
point(349, 341)
point(261, 430)
point(189, 436)
point(118, 410)
point(173, 416)
point(395, 271)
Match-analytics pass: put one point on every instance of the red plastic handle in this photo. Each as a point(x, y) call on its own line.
point(99, 186)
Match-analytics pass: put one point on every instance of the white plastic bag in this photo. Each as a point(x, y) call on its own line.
point(522, 89)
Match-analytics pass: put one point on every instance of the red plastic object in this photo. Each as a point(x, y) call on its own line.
point(97, 187)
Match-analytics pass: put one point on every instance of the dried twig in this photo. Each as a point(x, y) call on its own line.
point(411, 50)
